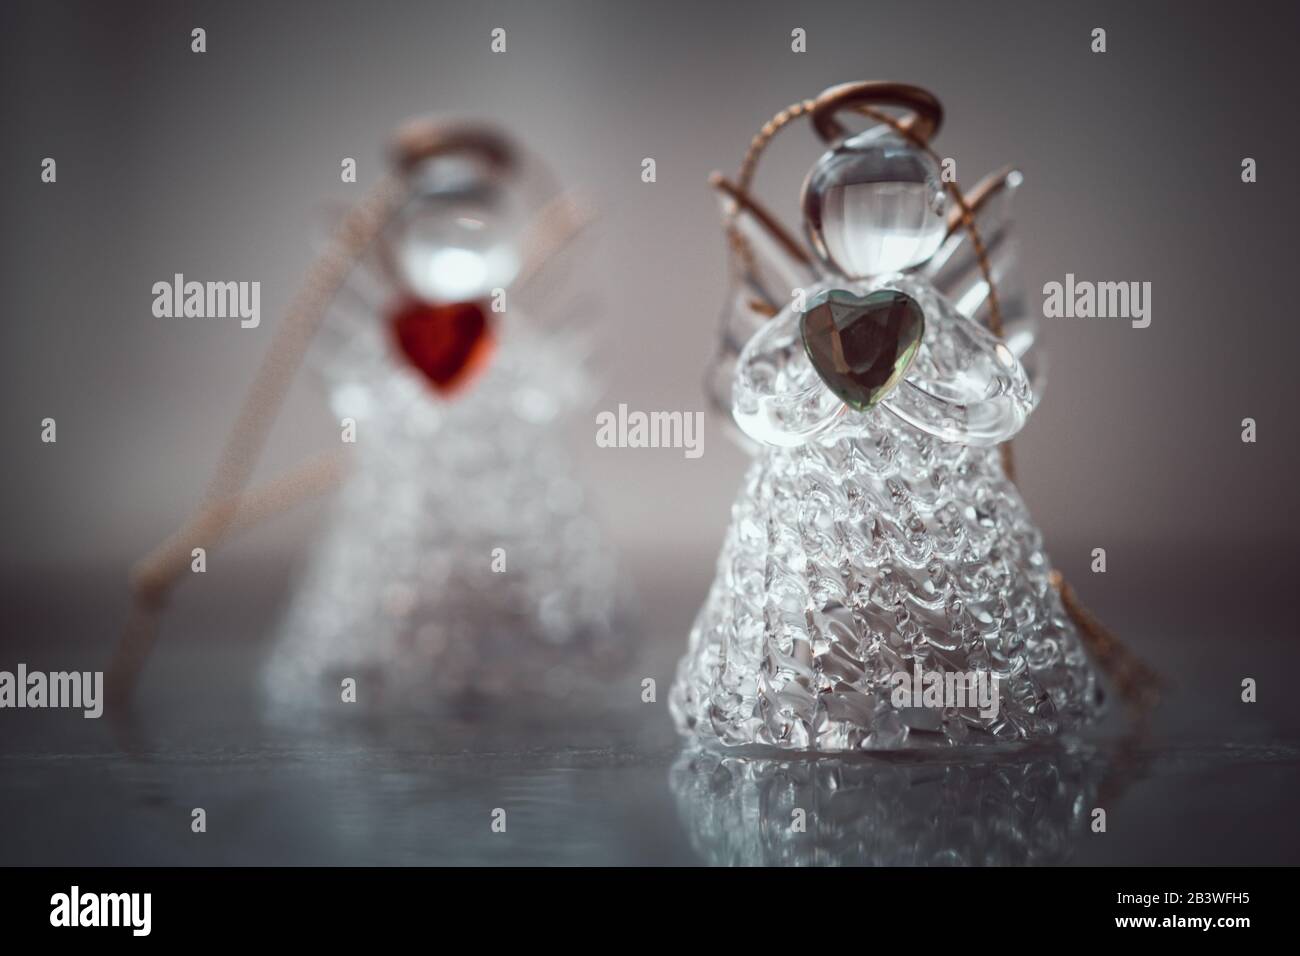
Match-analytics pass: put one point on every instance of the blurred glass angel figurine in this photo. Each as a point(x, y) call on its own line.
point(459, 558)
point(882, 585)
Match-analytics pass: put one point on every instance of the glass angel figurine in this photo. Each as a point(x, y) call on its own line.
point(459, 558)
point(881, 585)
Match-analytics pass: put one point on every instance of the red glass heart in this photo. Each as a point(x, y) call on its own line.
point(449, 343)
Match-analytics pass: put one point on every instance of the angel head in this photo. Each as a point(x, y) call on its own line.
point(900, 301)
point(434, 321)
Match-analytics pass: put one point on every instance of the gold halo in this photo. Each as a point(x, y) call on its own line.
point(424, 137)
point(923, 120)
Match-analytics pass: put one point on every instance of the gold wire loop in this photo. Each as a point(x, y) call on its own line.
point(744, 202)
point(740, 193)
point(983, 192)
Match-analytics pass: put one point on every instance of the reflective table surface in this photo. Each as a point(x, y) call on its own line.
point(1211, 780)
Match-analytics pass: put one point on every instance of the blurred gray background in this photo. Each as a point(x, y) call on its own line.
point(217, 166)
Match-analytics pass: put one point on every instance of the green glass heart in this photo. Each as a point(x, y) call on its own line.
point(862, 346)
